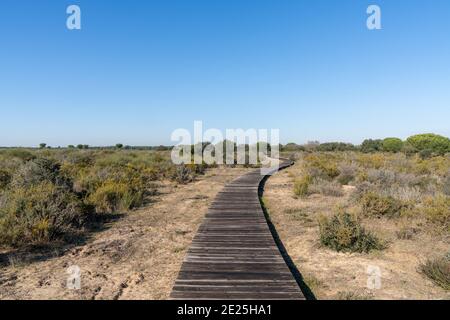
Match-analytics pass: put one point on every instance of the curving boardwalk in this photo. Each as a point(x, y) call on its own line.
point(233, 255)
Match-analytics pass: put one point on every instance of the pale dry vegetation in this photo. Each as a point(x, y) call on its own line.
point(339, 212)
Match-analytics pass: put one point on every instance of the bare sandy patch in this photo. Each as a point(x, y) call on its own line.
point(334, 275)
point(136, 257)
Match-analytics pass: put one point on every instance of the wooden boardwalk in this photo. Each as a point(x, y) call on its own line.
point(233, 255)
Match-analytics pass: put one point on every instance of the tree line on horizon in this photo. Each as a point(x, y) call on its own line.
point(426, 145)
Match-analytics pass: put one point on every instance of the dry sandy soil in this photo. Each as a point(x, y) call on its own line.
point(333, 275)
point(136, 257)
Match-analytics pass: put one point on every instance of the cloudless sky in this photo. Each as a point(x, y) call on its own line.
point(137, 70)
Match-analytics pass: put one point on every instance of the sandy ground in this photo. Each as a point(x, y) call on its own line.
point(333, 275)
point(136, 257)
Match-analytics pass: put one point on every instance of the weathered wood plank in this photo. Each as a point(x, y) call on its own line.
point(233, 255)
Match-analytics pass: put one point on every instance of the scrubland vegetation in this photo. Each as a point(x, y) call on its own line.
point(396, 187)
point(401, 187)
point(51, 194)
point(48, 195)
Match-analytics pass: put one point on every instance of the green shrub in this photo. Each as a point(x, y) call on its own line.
point(392, 145)
point(343, 232)
point(429, 141)
point(437, 211)
point(114, 196)
point(38, 214)
point(322, 165)
point(21, 154)
point(438, 270)
point(376, 205)
point(301, 185)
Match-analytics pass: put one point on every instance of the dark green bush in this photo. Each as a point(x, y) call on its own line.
point(370, 145)
point(5, 179)
point(343, 232)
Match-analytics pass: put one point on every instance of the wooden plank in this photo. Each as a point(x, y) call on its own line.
point(233, 255)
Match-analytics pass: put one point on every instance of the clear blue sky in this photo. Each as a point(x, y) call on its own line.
point(140, 69)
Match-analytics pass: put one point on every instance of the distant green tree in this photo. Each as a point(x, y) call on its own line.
point(429, 141)
point(85, 146)
point(119, 146)
point(71, 146)
point(392, 145)
point(79, 146)
point(42, 145)
point(370, 145)
point(335, 146)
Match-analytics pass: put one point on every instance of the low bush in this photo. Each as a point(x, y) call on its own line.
point(437, 211)
point(326, 188)
point(37, 171)
point(347, 173)
point(343, 232)
point(371, 161)
point(381, 176)
point(21, 154)
point(376, 205)
point(438, 270)
point(183, 174)
point(114, 196)
point(301, 185)
point(322, 165)
point(39, 213)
